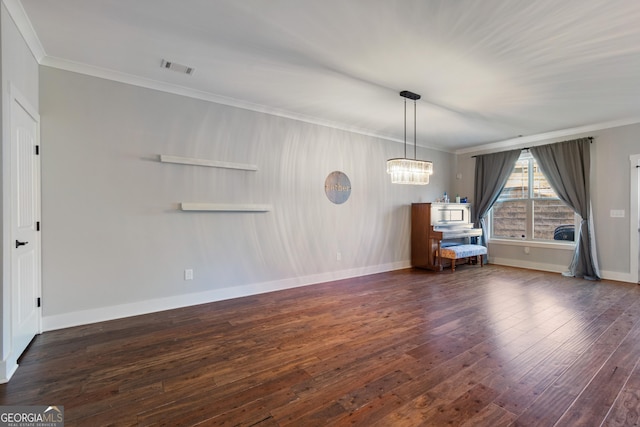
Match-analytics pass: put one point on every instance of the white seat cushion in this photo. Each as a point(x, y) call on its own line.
point(462, 251)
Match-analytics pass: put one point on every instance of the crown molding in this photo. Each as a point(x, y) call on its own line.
point(542, 138)
point(20, 18)
point(108, 74)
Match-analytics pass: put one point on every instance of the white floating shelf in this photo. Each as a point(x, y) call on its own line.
point(220, 207)
point(164, 158)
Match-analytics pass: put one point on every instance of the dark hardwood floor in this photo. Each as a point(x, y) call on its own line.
point(491, 346)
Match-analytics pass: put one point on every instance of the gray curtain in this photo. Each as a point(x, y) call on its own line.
point(492, 172)
point(566, 166)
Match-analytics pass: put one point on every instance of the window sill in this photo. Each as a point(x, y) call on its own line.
point(569, 246)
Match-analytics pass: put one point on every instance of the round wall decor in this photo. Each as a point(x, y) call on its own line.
point(337, 187)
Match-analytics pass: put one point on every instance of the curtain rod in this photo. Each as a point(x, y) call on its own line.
point(590, 138)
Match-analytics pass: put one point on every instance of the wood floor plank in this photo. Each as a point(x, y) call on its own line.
point(355, 399)
point(625, 411)
point(491, 415)
point(595, 401)
point(374, 410)
point(558, 398)
point(496, 346)
point(411, 414)
point(462, 409)
point(549, 361)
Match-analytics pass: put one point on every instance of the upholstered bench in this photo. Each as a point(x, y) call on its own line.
point(462, 251)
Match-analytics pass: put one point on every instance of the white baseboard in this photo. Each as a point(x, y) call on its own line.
point(617, 276)
point(101, 314)
point(554, 268)
point(510, 262)
point(7, 369)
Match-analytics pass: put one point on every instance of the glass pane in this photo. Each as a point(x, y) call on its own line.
point(541, 187)
point(509, 219)
point(553, 220)
point(517, 186)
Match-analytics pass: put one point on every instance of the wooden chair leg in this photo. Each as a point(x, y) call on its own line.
point(453, 265)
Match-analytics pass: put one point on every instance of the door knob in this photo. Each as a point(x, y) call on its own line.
point(19, 243)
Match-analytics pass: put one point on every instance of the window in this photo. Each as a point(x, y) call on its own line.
point(529, 209)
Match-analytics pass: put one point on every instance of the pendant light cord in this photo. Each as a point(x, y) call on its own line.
point(405, 128)
point(415, 144)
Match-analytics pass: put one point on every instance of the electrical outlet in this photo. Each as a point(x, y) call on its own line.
point(339, 256)
point(616, 213)
point(188, 274)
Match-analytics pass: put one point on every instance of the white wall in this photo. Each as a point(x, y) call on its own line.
point(115, 243)
point(610, 189)
point(20, 70)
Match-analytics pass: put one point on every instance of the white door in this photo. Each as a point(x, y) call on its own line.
point(25, 225)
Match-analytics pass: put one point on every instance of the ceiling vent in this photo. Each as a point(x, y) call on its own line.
point(177, 67)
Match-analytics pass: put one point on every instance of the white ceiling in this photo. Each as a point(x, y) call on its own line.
point(487, 70)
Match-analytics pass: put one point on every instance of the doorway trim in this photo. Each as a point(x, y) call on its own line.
point(634, 218)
